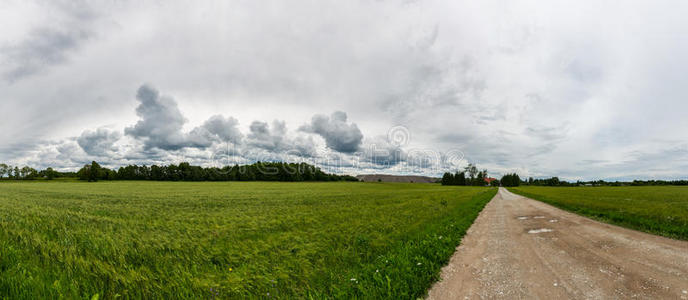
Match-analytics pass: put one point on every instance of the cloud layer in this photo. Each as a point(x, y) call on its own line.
point(540, 88)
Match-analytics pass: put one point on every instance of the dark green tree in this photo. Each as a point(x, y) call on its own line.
point(50, 174)
point(94, 172)
point(460, 178)
point(447, 179)
point(510, 180)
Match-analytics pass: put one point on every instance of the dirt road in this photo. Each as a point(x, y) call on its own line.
point(520, 248)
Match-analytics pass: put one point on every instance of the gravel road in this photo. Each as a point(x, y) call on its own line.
point(520, 248)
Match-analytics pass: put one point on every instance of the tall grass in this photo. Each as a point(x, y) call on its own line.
point(661, 210)
point(229, 239)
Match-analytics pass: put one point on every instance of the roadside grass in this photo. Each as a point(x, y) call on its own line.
point(661, 210)
point(229, 239)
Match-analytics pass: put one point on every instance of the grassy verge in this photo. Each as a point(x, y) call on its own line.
point(229, 239)
point(661, 210)
point(410, 268)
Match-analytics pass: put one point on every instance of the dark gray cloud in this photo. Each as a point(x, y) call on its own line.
point(338, 135)
point(276, 140)
point(99, 142)
point(262, 137)
point(161, 121)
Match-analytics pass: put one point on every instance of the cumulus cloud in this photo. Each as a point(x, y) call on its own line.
point(275, 139)
point(99, 142)
point(216, 129)
point(338, 135)
point(160, 130)
point(161, 121)
point(261, 136)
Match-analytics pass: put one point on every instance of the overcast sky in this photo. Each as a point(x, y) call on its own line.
point(576, 89)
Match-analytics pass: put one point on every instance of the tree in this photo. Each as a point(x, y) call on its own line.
point(4, 169)
point(480, 178)
point(447, 179)
point(94, 172)
point(472, 171)
point(28, 173)
point(554, 181)
point(16, 173)
point(50, 173)
point(460, 178)
point(510, 180)
point(24, 171)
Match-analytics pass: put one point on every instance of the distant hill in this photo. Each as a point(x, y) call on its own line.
point(396, 178)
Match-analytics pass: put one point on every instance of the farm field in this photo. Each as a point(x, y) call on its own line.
point(661, 210)
point(229, 239)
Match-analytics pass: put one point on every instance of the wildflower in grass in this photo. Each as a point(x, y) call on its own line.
point(230, 269)
point(418, 264)
point(353, 279)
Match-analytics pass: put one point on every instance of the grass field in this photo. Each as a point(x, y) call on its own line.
point(661, 210)
point(229, 239)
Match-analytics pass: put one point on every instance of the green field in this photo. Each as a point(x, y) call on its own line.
point(661, 210)
point(229, 239)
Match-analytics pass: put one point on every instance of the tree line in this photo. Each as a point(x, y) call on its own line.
point(279, 171)
point(28, 173)
point(555, 181)
point(470, 176)
point(259, 171)
point(510, 180)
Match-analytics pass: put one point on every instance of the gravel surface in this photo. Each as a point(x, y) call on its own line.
point(519, 248)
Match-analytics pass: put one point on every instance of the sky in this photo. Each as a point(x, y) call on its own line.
point(576, 89)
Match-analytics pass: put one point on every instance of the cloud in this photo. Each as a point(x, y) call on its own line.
point(261, 136)
point(45, 46)
point(216, 129)
point(381, 152)
point(531, 87)
point(161, 121)
point(276, 140)
point(99, 142)
point(338, 135)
